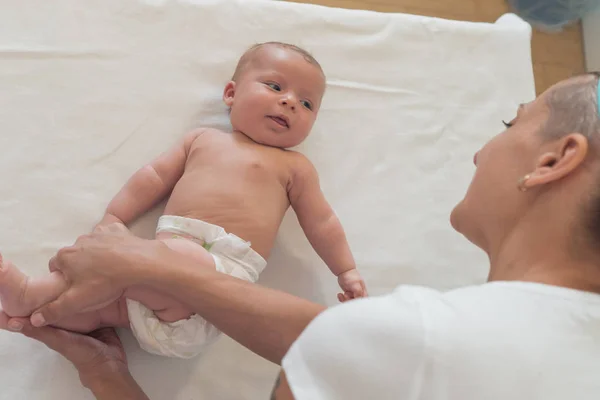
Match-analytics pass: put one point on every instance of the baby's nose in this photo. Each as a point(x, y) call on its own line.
point(288, 101)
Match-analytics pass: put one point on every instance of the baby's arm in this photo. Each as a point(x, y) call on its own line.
point(149, 184)
point(323, 228)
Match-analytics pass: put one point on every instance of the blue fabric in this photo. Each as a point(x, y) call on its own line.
point(552, 14)
point(598, 98)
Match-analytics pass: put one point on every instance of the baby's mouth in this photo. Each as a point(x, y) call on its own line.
point(280, 120)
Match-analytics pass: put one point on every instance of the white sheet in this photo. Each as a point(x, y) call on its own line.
point(89, 91)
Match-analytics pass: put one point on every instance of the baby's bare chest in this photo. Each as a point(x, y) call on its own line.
point(240, 162)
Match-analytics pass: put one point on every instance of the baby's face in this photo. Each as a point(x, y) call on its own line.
point(276, 99)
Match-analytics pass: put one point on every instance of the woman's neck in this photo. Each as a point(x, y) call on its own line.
point(545, 256)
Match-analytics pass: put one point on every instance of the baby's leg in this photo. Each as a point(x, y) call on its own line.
point(166, 308)
point(21, 294)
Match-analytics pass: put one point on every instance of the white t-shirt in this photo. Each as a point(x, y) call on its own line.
point(500, 340)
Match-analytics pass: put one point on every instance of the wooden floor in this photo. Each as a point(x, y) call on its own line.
point(555, 56)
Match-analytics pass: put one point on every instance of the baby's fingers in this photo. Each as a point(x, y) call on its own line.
point(343, 297)
point(357, 290)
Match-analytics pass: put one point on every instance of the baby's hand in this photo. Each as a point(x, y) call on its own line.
point(352, 284)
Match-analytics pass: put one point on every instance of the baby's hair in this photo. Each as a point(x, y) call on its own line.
point(247, 56)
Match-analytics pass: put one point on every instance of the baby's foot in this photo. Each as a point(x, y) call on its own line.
point(13, 287)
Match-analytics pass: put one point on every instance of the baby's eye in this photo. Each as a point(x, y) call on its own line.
point(274, 86)
point(307, 104)
point(507, 124)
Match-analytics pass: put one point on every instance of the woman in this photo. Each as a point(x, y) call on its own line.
point(531, 332)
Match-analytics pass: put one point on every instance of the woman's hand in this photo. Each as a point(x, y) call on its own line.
point(97, 268)
point(100, 266)
point(99, 357)
point(94, 355)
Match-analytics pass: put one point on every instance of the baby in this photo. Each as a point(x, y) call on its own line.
point(229, 192)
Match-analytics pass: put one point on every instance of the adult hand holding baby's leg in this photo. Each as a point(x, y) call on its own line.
point(99, 357)
point(97, 270)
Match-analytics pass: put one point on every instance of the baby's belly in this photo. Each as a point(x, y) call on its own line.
point(166, 236)
point(258, 229)
point(251, 210)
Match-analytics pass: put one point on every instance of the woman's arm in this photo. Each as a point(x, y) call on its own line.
point(264, 320)
point(282, 390)
point(115, 385)
point(99, 266)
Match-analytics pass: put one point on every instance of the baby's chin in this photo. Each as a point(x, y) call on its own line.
point(275, 140)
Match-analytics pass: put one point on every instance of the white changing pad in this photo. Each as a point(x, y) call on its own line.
point(90, 91)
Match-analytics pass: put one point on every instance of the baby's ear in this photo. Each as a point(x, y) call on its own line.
point(229, 93)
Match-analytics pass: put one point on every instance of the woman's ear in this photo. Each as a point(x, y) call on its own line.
point(567, 154)
point(229, 93)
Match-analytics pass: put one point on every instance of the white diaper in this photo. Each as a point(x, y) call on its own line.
point(190, 337)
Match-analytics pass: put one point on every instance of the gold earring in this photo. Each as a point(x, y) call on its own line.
point(521, 183)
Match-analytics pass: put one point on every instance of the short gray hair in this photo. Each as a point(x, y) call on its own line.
point(574, 108)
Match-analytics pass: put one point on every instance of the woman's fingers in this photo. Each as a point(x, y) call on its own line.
point(108, 336)
point(54, 311)
point(56, 339)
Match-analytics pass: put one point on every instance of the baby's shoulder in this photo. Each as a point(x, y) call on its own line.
point(299, 164)
point(202, 136)
point(295, 157)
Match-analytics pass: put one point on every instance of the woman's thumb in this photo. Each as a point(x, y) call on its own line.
point(50, 313)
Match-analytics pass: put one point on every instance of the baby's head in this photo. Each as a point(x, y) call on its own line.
point(275, 94)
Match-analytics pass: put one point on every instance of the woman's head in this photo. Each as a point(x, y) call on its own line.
point(542, 171)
